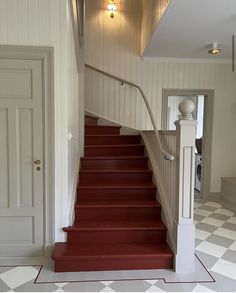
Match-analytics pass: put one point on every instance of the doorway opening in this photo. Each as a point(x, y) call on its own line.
point(202, 100)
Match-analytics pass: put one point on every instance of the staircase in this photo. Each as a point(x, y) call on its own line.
point(118, 222)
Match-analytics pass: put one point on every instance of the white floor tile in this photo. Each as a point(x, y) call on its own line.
point(213, 222)
point(197, 205)
point(233, 246)
point(154, 289)
point(60, 284)
point(107, 289)
point(213, 204)
point(211, 249)
point(203, 213)
point(232, 220)
point(151, 281)
point(19, 276)
point(201, 288)
point(225, 233)
point(106, 283)
point(225, 268)
point(202, 235)
point(224, 212)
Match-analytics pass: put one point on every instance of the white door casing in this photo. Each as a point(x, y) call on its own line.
point(21, 143)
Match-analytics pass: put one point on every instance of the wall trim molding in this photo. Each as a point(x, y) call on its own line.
point(186, 60)
point(215, 196)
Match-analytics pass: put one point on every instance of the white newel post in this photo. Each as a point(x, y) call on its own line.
point(184, 225)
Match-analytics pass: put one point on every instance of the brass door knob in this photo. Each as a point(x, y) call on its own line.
point(37, 162)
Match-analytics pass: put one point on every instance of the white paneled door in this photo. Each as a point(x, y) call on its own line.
point(21, 158)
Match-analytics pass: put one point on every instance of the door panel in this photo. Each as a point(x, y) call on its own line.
point(20, 78)
point(25, 151)
point(21, 140)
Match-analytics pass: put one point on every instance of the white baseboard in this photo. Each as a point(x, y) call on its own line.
point(23, 261)
point(214, 196)
point(48, 249)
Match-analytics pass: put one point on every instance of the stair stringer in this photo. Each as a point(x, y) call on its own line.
point(166, 211)
point(71, 216)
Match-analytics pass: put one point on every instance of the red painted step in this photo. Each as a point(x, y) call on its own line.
point(114, 176)
point(139, 162)
point(112, 213)
point(111, 139)
point(121, 192)
point(98, 129)
point(89, 120)
point(114, 150)
point(119, 231)
point(119, 256)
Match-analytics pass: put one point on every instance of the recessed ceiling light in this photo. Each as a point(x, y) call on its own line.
point(215, 50)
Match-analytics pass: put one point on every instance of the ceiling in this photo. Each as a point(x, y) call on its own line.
point(189, 27)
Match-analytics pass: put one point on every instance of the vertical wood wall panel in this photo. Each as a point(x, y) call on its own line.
point(113, 45)
point(47, 23)
point(33, 21)
point(12, 32)
point(44, 19)
point(4, 159)
point(23, 21)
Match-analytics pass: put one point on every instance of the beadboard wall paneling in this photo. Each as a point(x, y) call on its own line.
point(165, 176)
point(47, 23)
point(113, 45)
point(152, 11)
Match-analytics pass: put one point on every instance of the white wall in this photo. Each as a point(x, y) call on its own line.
point(152, 11)
point(114, 46)
point(47, 23)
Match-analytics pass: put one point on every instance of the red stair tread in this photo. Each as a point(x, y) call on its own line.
point(116, 171)
point(114, 145)
point(118, 135)
point(104, 126)
point(139, 186)
point(111, 135)
point(73, 251)
point(115, 158)
point(118, 225)
point(117, 203)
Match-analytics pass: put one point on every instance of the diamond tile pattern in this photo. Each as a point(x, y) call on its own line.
point(215, 246)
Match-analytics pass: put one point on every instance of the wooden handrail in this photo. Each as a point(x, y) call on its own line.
point(166, 155)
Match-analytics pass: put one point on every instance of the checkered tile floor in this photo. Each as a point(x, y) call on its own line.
point(215, 246)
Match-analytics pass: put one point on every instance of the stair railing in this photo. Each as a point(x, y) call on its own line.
point(166, 155)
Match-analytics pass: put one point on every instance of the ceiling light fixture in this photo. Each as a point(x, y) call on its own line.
point(112, 8)
point(215, 50)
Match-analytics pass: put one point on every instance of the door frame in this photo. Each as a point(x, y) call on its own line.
point(207, 129)
point(46, 56)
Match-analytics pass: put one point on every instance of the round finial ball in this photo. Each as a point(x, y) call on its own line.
point(186, 107)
